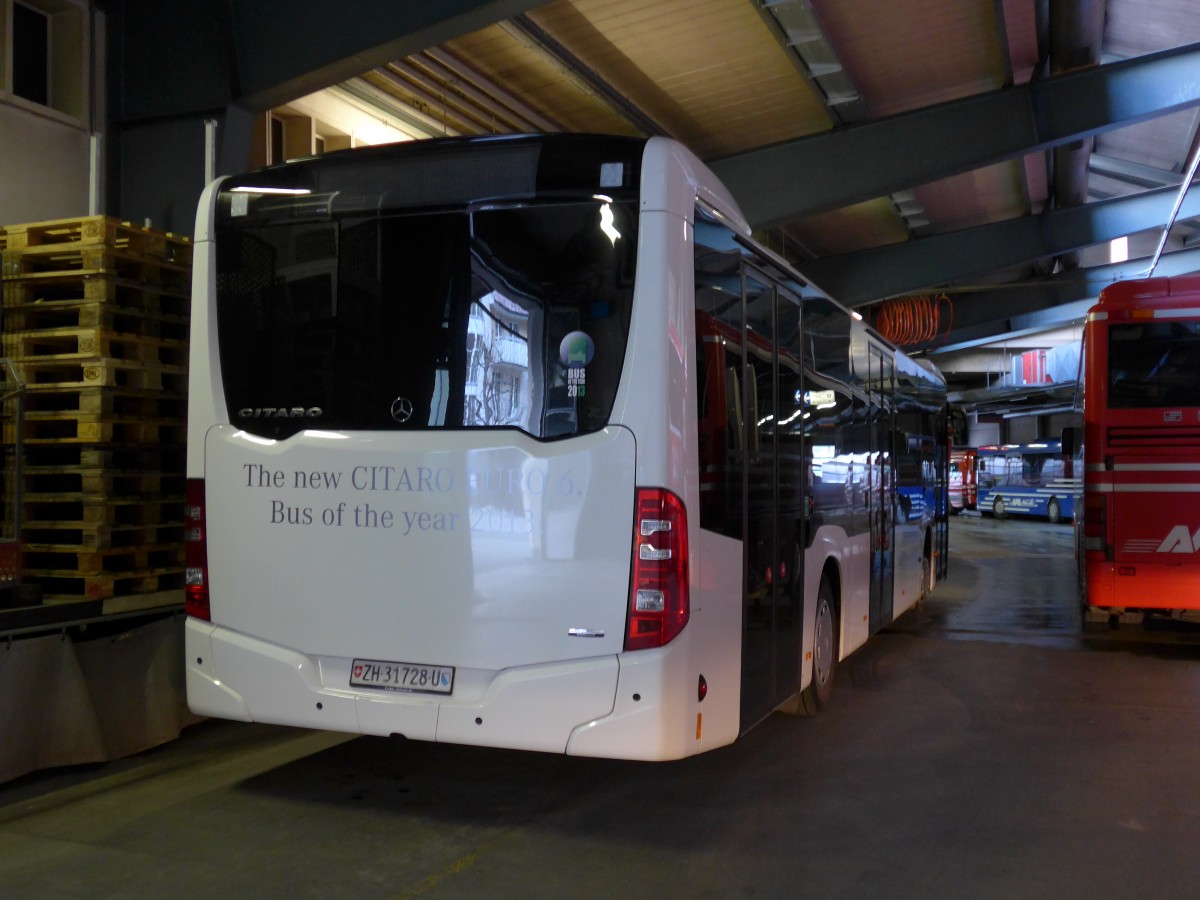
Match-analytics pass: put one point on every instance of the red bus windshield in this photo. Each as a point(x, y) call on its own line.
point(1153, 364)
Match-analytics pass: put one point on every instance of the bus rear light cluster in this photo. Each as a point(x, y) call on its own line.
point(659, 605)
point(1095, 524)
point(195, 591)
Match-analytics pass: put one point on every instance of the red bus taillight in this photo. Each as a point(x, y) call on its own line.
point(1095, 526)
point(658, 598)
point(195, 591)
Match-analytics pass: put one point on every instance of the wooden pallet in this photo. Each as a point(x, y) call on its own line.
point(141, 314)
point(103, 401)
point(88, 343)
point(58, 586)
point(95, 312)
point(73, 511)
point(56, 287)
point(169, 458)
point(91, 536)
point(48, 428)
point(104, 483)
point(99, 229)
point(72, 561)
point(104, 373)
point(31, 266)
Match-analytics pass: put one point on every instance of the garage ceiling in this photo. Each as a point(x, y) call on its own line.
point(966, 162)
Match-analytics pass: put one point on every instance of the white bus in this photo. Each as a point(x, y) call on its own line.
point(523, 442)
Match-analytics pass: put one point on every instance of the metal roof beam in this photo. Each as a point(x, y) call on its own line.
point(982, 316)
point(1136, 174)
point(868, 275)
point(861, 162)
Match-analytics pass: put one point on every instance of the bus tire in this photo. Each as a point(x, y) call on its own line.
point(998, 510)
point(1053, 512)
point(816, 696)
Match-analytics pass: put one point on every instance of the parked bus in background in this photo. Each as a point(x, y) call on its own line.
point(963, 491)
point(521, 441)
point(1139, 529)
point(1034, 479)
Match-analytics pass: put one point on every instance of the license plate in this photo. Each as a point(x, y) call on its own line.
point(402, 676)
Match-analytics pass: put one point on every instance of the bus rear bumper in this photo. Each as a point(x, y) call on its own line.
point(1124, 589)
point(600, 706)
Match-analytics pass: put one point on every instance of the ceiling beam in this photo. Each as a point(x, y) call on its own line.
point(289, 48)
point(1131, 173)
point(849, 165)
point(922, 263)
point(983, 315)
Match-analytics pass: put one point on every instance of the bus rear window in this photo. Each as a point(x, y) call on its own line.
point(511, 316)
point(1153, 364)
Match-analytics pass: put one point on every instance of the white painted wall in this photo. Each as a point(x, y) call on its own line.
point(332, 108)
point(43, 168)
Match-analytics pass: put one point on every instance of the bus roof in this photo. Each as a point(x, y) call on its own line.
point(1034, 448)
point(1150, 293)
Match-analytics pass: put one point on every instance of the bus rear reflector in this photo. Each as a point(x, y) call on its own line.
point(195, 591)
point(658, 597)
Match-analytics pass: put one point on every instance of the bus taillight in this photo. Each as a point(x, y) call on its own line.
point(195, 592)
point(1095, 526)
point(658, 598)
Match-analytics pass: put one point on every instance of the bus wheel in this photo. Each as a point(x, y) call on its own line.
point(1053, 513)
point(998, 510)
point(815, 697)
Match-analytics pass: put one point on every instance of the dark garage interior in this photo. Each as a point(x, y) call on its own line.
point(989, 198)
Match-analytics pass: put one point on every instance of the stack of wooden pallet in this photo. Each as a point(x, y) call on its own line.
point(95, 318)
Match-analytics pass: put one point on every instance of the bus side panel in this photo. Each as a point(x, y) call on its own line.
point(718, 658)
point(910, 550)
point(851, 555)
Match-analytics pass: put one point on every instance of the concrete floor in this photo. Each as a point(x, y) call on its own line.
point(982, 748)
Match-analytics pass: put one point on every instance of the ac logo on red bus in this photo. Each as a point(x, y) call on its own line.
point(1180, 540)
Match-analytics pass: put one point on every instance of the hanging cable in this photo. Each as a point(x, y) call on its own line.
point(912, 321)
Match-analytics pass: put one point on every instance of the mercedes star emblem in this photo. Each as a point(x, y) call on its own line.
point(402, 409)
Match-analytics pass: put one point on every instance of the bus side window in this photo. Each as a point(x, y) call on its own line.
point(1031, 469)
point(985, 477)
point(733, 413)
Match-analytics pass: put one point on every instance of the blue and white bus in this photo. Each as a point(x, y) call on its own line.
point(523, 442)
point(1033, 479)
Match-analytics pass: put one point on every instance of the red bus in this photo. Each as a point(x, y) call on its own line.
point(1138, 533)
point(962, 479)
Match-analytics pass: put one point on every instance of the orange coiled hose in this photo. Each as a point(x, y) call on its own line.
point(908, 321)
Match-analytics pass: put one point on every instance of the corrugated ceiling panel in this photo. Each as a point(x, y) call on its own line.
point(511, 61)
point(994, 192)
point(870, 224)
point(1134, 27)
point(709, 71)
point(904, 56)
point(1163, 143)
